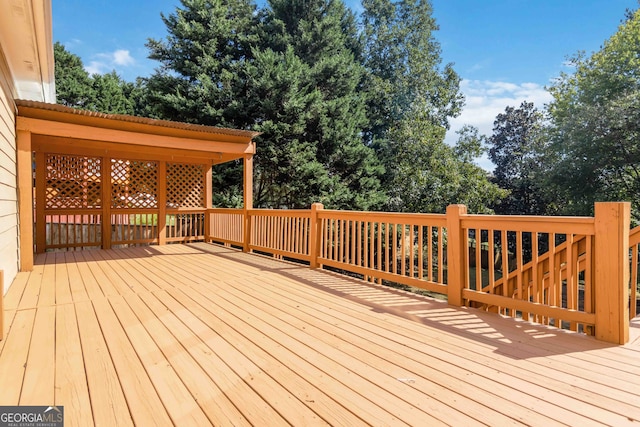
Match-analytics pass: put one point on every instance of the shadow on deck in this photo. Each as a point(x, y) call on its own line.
point(201, 334)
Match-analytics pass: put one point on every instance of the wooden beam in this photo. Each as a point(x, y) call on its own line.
point(248, 181)
point(106, 202)
point(248, 199)
point(162, 202)
point(612, 271)
point(41, 194)
point(69, 130)
point(88, 147)
point(315, 238)
point(208, 201)
point(25, 198)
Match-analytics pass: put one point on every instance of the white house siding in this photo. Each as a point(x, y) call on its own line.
point(8, 186)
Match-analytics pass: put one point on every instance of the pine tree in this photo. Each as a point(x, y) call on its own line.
point(74, 86)
point(289, 72)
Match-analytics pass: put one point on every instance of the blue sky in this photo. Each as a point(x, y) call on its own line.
point(506, 51)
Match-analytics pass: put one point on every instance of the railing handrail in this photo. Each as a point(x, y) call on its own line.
point(634, 236)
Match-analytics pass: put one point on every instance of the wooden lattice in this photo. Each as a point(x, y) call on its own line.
point(185, 185)
point(134, 184)
point(73, 182)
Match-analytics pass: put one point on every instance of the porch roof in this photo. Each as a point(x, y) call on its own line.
point(94, 128)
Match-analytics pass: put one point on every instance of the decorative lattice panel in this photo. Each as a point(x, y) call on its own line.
point(73, 182)
point(185, 185)
point(134, 184)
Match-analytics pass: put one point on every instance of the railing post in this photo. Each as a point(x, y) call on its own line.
point(247, 231)
point(456, 254)
point(612, 271)
point(314, 235)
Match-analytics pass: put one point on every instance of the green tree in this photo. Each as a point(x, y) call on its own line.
point(595, 124)
point(111, 94)
point(517, 148)
point(323, 36)
point(411, 98)
point(289, 72)
point(445, 175)
point(201, 62)
point(403, 59)
point(106, 93)
point(73, 84)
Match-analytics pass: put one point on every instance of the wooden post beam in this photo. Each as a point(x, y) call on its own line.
point(106, 202)
point(162, 202)
point(456, 254)
point(611, 261)
point(208, 202)
point(314, 235)
point(248, 199)
point(25, 198)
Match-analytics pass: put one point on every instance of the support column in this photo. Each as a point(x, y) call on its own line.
point(612, 271)
point(40, 198)
point(248, 199)
point(25, 198)
point(208, 202)
point(162, 202)
point(456, 254)
point(106, 202)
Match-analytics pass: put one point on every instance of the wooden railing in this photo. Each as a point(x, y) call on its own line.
point(538, 268)
point(403, 248)
point(226, 226)
point(561, 271)
point(634, 283)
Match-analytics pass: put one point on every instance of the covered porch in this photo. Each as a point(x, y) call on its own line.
point(200, 334)
point(94, 180)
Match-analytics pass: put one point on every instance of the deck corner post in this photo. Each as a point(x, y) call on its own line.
point(456, 253)
point(246, 245)
point(612, 220)
point(314, 235)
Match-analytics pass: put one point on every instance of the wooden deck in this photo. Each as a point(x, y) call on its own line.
point(201, 334)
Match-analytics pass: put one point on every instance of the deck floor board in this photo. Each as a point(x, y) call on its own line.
point(200, 334)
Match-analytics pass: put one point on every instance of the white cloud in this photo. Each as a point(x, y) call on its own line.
point(486, 99)
point(106, 62)
point(95, 67)
point(122, 57)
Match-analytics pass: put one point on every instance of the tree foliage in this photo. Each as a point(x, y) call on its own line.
point(106, 93)
point(411, 98)
point(431, 175)
point(595, 124)
point(337, 101)
point(517, 148)
point(73, 83)
point(289, 72)
point(403, 59)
